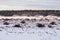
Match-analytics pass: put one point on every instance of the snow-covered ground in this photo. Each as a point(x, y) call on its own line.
point(30, 28)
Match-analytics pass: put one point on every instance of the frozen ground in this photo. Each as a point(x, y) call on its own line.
point(30, 28)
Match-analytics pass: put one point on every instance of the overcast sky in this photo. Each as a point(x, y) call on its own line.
point(29, 4)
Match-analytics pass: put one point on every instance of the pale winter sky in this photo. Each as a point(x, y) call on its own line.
point(29, 4)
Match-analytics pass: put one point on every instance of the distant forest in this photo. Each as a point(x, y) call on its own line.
point(29, 12)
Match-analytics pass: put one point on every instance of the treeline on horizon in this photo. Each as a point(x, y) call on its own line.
point(29, 12)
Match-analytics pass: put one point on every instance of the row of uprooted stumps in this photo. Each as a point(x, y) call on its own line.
point(39, 25)
point(31, 18)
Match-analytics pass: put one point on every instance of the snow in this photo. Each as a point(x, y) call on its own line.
point(29, 30)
